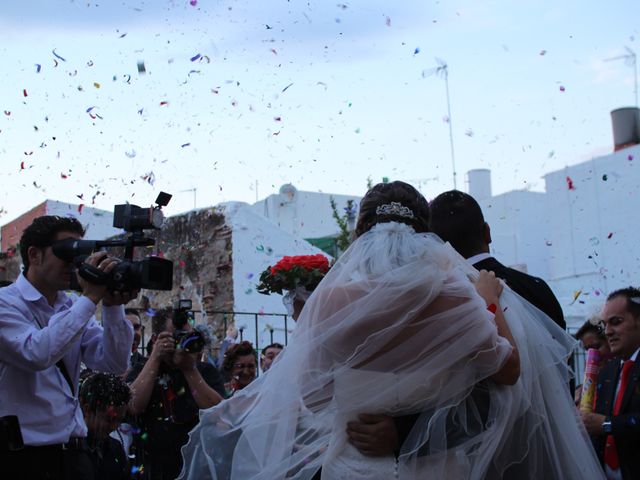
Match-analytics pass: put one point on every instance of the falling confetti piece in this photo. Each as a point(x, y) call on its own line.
point(543, 53)
point(38, 67)
point(141, 68)
point(57, 56)
point(90, 108)
point(96, 84)
point(274, 51)
point(260, 248)
point(185, 145)
point(195, 57)
point(562, 89)
point(128, 78)
point(604, 177)
point(610, 235)
point(576, 294)
point(548, 243)
point(416, 51)
point(387, 22)
point(80, 207)
point(63, 176)
point(24, 92)
point(570, 184)
point(277, 119)
point(551, 154)
point(164, 103)
point(285, 88)
point(249, 276)
point(193, 3)
point(630, 157)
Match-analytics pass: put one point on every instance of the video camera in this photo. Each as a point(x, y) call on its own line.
point(153, 273)
point(191, 341)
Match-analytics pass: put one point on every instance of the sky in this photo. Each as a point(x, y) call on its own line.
point(214, 101)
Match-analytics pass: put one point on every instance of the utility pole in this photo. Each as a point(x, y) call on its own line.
point(194, 189)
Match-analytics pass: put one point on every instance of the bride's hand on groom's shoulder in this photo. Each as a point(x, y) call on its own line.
point(489, 287)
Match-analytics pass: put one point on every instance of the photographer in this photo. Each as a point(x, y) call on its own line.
point(45, 335)
point(168, 392)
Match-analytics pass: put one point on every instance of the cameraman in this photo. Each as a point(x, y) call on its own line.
point(45, 334)
point(167, 394)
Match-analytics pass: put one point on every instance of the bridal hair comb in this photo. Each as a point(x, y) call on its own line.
point(395, 208)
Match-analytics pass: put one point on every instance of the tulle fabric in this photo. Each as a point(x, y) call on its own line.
point(396, 327)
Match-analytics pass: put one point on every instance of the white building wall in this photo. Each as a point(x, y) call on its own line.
point(98, 223)
point(305, 214)
point(594, 230)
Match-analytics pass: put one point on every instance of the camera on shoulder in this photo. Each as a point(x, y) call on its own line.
point(191, 341)
point(153, 273)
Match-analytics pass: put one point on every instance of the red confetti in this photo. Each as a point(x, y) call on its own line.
point(24, 92)
point(182, 264)
point(21, 165)
point(163, 103)
point(193, 3)
point(273, 50)
point(63, 176)
point(570, 184)
point(80, 207)
point(610, 235)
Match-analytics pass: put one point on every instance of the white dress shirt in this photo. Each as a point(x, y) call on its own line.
point(33, 337)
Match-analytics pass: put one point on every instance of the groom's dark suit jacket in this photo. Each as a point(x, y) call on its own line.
point(625, 426)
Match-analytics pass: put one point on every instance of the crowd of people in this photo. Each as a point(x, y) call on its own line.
point(416, 355)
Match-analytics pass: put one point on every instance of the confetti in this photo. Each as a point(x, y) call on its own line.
point(24, 92)
point(185, 145)
point(285, 88)
point(195, 57)
point(543, 53)
point(604, 177)
point(164, 103)
point(630, 157)
point(38, 67)
point(96, 84)
point(141, 68)
point(570, 183)
point(193, 3)
point(80, 207)
point(387, 22)
point(610, 235)
point(57, 56)
point(576, 294)
point(416, 51)
point(562, 89)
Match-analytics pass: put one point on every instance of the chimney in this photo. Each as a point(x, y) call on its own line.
point(479, 181)
point(626, 127)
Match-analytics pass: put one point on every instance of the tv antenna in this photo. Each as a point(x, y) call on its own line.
point(442, 70)
point(630, 60)
point(194, 190)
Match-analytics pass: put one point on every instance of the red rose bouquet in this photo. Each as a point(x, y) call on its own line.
point(292, 272)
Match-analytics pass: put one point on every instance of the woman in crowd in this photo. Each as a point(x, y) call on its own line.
point(239, 367)
point(398, 327)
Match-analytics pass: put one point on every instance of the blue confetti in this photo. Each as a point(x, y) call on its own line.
point(57, 56)
point(196, 57)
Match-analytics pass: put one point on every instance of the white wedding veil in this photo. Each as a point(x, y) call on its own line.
point(396, 327)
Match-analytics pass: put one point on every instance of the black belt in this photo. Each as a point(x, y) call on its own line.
point(74, 443)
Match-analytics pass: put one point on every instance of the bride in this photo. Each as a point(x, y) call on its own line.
point(397, 327)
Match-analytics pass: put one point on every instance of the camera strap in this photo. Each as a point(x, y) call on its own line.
point(61, 366)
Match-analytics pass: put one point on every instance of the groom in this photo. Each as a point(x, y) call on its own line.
point(456, 218)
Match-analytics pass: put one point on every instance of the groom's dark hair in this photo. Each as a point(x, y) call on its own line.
point(457, 218)
point(376, 207)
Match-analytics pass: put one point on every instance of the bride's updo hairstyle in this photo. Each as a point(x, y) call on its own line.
point(393, 202)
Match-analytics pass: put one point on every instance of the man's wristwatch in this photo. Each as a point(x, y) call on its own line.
point(606, 425)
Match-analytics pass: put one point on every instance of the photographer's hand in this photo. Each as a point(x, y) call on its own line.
point(118, 298)
point(184, 361)
point(102, 262)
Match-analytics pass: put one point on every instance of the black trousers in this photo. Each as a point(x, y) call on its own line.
point(46, 463)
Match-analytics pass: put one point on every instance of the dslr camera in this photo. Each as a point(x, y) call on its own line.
point(152, 273)
point(191, 341)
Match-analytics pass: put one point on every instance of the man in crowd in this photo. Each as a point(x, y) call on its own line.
point(615, 424)
point(104, 398)
point(132, 315)
point(45, 335)
point(269, 354)
point(456, 218)
point(167, 393)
